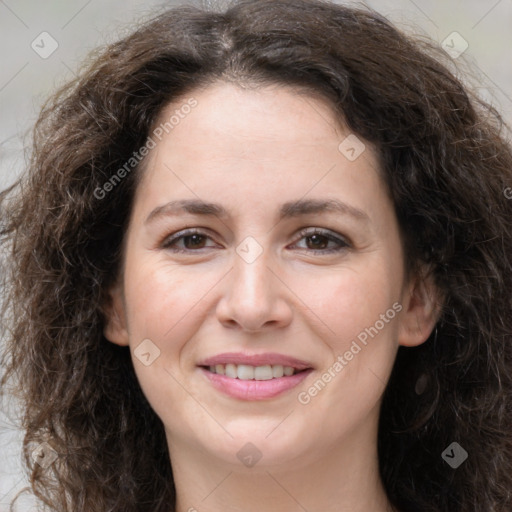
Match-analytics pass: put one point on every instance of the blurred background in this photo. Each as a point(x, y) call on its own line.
point(43, 43)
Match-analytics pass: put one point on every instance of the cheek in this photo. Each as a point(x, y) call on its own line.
point(348, 300)
point(357, 308)
point(166, 305)
point(163, 298)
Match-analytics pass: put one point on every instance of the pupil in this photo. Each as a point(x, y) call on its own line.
point(318, 241)
point(196, 240)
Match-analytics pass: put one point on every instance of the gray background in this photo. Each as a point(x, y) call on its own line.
point(78, 26)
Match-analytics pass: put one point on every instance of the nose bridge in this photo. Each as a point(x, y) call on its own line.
point(252, 297)
point(251, 279)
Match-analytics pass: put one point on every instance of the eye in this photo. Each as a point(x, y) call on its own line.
point(318, 241)
point(186, 241)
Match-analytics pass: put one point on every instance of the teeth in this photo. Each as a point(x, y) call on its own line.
point(231, 371)
point(288, 370)
point(263, 372)
point(277, 371)
point(245, 372)
point(248, 372)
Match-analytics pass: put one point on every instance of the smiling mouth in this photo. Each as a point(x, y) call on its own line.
point(248, 372)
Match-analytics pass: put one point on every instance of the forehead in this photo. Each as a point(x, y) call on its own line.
point(263, 115)
point(261, 123)
point(267, 143)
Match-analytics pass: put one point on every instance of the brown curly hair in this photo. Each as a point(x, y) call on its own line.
point(446, 163)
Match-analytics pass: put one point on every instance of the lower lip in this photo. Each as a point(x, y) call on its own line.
point(255, 389)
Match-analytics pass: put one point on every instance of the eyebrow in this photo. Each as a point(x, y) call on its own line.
point(288, 210)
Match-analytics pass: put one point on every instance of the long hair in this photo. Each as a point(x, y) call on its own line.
point(446, 163)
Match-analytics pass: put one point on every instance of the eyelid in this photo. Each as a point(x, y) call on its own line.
point(168, 240)
point(343, 242)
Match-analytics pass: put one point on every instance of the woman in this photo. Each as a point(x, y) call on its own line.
point(262, 261)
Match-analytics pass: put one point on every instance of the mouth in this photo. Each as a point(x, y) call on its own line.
point(254, 377)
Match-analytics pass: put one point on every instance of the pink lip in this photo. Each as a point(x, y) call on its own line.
point(256, 360)
point(255, 389)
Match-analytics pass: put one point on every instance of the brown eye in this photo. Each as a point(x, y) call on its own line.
point(186, 241)
point(322, 241)
point(317, 242)
point(194, 241)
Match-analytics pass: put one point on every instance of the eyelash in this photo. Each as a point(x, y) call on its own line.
point(343, 244)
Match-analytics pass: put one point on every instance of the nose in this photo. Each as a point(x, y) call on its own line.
point(254, 297)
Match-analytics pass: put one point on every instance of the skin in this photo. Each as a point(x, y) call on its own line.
point(252, 150)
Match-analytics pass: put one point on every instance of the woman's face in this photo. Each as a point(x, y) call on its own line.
point(295, 261)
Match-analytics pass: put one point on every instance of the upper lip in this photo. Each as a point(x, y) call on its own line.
point(268, 358)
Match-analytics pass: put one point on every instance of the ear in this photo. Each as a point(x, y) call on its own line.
point(421, 310)
point(115, 329)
